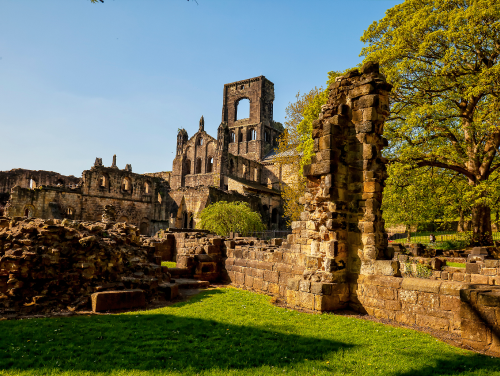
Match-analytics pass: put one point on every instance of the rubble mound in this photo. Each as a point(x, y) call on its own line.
point(52, 265)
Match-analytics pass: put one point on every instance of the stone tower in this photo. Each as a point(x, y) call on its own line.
point(251, 137)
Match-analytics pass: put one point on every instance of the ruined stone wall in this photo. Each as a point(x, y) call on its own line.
point(20, 177)
point(138, 199)
point(52, 264)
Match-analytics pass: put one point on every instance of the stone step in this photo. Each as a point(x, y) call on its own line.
point(187, 283)
point(177, 272)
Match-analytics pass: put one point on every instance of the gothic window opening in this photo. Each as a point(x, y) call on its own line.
point(252, 135)
point(159, 197)
point(198, 166)
point(256, 174)
point(187, 167)
point(70, 212)
point(210, 164)
point(267, 138)
point(103, 181)
point(200, 141)
point(240, 137)
point(32, 184)
point(274, 216)
point(127, 184)
point(242, 109)
point(231, 166)
point(147, 187)
point(232, 137)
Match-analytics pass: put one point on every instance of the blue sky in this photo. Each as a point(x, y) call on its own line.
point(81, 80)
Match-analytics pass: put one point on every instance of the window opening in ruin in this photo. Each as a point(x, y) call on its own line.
point(200, 141)
point(26, 212)
point(242, 109)
point(191, 220)
point(266, 136)
point(187, 167)
point(210, 164)
point(32, 184)
point(252, 134)
point(69, 211)
point(127, 184)
point(231, 166)
point(184, 219)
point(198, 166)
point(274, 215)
point(255, 174)
point(144, 228)
point(159, 197)
point(147, 187)
point(59, 182)
point(103, 181)
point(240, 137)
point(232, 137)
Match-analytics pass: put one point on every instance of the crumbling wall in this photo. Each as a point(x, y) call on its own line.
point(21, 177)
point(53, 264)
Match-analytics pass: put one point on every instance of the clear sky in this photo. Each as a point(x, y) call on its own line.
point(81, 80)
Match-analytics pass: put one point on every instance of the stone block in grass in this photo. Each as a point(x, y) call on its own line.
point(118, 300)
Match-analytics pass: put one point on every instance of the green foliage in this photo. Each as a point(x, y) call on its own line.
point(417, 270)
point(227, 331)
point(442, 58)
point(278, 126)
point(169, 264)
point(224, 217)
point(450, 245)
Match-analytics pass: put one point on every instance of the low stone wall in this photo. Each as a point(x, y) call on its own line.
point(48, 265)
point(467, 309)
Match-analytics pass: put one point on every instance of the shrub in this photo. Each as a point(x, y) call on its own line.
point(225, 217)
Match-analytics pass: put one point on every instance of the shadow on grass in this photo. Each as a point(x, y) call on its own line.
point(476, 364)
point(147, 342)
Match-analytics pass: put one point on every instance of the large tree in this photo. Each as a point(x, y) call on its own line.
point(442, 56)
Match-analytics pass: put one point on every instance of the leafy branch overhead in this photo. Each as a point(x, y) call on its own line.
point(442, 58)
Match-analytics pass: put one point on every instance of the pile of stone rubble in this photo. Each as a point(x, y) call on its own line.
point(51, 265)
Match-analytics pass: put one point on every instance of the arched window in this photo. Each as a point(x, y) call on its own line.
point(231, 166)
point(32, 184)
point(267, 138)
point(198, 166)
point(252, 134)
point(210, 164)
point(147, 187)
point(240, 137)
point(70, 212)
point(159, 197)
point(232, 137)
point(200, 141)
point(242, 109)
point(274, 216)
point(59, 182)
point(144, 227)
point(127, 184)
point(255, 174)
point(187, 167)
point(104, 181)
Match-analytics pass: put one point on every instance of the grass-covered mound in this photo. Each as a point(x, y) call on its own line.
point(227, 332)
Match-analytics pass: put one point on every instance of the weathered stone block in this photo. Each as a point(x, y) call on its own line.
point(117, 300)
point(306, 300)
point(420, 284)
point(320, 288)
point(479, 279)
point(432, 322)
point(304, 286)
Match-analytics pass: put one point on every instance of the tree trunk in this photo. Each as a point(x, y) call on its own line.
point(461, 222)
point(481, 225)
point(408, 233)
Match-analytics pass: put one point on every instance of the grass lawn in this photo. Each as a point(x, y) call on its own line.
point(169, 264)
point(455, 264)
point(227, 332)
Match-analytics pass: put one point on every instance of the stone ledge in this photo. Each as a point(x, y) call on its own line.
point(420, 284)
point(117, 300)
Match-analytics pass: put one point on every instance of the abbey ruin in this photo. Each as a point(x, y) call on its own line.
point(236, 166)
point(337, 256)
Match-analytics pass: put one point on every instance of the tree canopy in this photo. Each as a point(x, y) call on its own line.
point(442, 58)
point(224, 217)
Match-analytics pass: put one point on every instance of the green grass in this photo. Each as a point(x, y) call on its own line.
point(442, 237)
point(227, 332)
point(455, 264)
point(169, 264)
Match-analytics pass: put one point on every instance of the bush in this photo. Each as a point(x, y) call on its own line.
point(225, 217)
